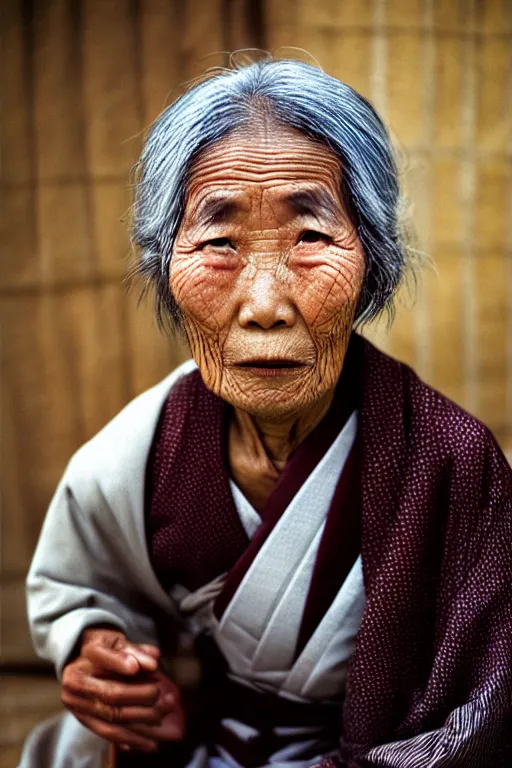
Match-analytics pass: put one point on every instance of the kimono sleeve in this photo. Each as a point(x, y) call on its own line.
point(90, 567)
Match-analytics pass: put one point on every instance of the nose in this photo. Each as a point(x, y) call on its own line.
point(266, 304)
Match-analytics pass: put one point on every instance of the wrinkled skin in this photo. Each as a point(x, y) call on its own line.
point(116, 689)
point(267, 270)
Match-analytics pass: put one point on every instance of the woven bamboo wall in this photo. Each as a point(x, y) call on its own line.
point(80, 82)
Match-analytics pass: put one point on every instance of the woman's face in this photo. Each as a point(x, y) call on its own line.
point(267, 270)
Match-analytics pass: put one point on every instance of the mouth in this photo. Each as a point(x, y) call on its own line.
point(271, 366)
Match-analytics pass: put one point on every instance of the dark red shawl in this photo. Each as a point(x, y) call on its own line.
point(433, 660)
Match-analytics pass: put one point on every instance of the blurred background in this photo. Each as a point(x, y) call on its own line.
point(81, 81)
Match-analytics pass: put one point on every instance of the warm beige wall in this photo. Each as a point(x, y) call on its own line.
point(81, 79)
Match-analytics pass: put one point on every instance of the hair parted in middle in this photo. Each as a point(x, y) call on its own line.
point(295, 95)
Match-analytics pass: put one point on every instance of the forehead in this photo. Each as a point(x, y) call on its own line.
point(268, 157)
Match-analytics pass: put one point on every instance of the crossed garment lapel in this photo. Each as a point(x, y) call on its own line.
point(193, 528)
point(297, 470)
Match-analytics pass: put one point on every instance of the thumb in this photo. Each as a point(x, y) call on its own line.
point(110, 651)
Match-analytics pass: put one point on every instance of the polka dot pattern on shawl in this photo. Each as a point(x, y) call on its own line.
point(435, 646)
point(193, 528)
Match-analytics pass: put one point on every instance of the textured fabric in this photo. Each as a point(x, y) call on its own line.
point(52, 742)
point(435, 646)
point(430, 679)
point(258, 631)
point(95, 522)
point(298, 468)
point(257, 635)
point(435, 643)
point(339, 548)
point(193, 529)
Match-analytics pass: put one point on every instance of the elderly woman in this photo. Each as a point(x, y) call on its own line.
point(333, 534)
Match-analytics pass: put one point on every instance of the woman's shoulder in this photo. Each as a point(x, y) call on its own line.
point(124, 442)
point(462, 438)
point(433, 422)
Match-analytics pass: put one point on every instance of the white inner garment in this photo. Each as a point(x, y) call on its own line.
point(259, 629)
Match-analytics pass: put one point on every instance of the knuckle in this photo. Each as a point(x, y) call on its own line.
point(71, 672)
point(107, 697)
point(108, 712)
point(77, 688)
point(66, 674)
point(90, 635)
point(118, 642)
point(119, 716)
point(73, 677)
point(104, 711)
point(116, 715)
point(80, 667)
point(69, 686)
point(113, 695)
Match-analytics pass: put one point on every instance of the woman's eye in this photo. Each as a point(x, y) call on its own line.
point(312, 236)
point(218, 242)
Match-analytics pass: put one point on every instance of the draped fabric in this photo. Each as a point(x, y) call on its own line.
point(284, 620)
point(193, 528)
point(429, 676)
point(433, 651)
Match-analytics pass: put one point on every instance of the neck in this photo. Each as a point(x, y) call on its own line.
point(259, 448)
point(279, 439)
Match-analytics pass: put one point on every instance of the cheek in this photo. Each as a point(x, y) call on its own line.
point(328, 293)
point(202, 290)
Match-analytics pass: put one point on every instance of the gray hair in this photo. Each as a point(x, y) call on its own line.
point(296, 95)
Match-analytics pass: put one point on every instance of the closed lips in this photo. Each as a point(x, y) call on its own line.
point(264, 363)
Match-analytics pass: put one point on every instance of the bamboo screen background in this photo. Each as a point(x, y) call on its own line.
point(81, 81)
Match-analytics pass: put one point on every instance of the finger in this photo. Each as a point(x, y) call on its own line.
point(167, 702)
point(121, 661)
point(169, 691)
point(147, 660)
point(111, 660)
point(113, 692)
point(113, 714)
point(117, 734)
point(172, 728)
point(150, 650)
point(116, 641)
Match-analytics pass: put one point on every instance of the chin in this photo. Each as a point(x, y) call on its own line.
point(270, 402)
point(276, 412)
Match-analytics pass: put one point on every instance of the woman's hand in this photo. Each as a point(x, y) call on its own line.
point(172, 725)
point(116, 689)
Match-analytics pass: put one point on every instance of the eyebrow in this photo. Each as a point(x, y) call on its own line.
point(215, 210)
point(315, 202)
